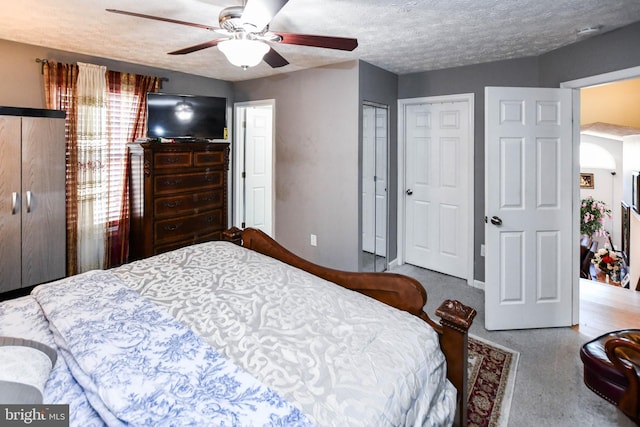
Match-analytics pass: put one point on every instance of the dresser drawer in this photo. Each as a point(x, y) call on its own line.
point(187, 227)
point(180, 159)
point(170, 184)
point(216, 235)
point(186, 204)
point(209, 158)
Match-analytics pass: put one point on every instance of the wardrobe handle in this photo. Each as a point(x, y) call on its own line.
point(28, 201)
point(14, 202)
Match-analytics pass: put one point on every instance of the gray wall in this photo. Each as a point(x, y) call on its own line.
point(316, 173)
point(22, 85)
point(616, 50)
point(381, 87)
point(605, 53)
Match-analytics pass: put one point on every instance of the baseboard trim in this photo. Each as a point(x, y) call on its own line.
point(478, 284)
point(392, 264)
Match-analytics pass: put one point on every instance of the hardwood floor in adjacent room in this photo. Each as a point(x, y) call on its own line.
point(605, 308)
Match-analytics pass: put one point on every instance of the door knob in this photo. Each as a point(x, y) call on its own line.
point(409, 192)
point(495, 220)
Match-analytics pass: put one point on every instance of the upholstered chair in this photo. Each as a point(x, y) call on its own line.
point(612, 369)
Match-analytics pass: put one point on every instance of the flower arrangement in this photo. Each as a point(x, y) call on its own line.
point(593, 214)
point(608, 261)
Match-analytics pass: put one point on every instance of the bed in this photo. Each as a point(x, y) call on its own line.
point(243, 332)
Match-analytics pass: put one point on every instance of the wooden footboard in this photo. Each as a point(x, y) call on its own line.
point(402, 292)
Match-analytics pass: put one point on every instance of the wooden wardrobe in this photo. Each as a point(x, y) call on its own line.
point(32, 197)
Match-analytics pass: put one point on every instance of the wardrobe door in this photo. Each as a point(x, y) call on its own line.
point(43, 200)
point(10, 211)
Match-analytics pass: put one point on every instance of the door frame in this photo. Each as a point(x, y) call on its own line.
point(402, 103)
point(239, 109)
point(576, 85)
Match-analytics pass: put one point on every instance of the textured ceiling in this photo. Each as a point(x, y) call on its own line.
point(399, 36)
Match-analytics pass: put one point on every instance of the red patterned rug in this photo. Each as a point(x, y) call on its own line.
point(492, 374)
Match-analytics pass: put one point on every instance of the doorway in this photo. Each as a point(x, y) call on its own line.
point(608, 119)
point(577, 85)
point(375, 146)
point(435, 186)
point(253, 175)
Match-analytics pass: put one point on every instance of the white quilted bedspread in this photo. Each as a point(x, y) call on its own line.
point(343, 358)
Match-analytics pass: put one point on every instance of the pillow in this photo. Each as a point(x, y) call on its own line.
point(25, 366)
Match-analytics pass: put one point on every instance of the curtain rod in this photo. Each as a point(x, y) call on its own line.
point(44, 61)
point(41, 62)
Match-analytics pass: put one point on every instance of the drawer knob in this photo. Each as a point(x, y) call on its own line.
point(172, 227)
point(172, 204)
point(172, 181)
point(171, 159)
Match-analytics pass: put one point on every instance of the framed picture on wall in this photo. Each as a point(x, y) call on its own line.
point(586, 180)
point(625, 231)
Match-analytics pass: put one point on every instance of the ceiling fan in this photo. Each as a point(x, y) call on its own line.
point(247, 32)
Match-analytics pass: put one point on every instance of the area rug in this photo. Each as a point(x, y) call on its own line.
point(492, 376)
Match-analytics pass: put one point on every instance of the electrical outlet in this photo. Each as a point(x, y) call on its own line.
point(482, 249)
point(314, 240)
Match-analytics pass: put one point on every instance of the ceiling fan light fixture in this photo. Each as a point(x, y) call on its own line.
point(242, 52)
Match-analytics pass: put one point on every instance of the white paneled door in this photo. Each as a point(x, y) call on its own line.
point(374, 179)
point(436, 200)
point(258, 160)
point(528, 202)
point(254, 166)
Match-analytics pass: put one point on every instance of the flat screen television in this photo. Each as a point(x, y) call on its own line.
point(186, 116)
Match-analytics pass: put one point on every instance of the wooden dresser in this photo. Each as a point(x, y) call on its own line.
point(32, 197)
point(178, 195)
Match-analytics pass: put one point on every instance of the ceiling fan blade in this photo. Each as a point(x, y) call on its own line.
point(340, 43)
point(196, 48)
point(159, 18)
point(260, 12)
point(274, 59)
